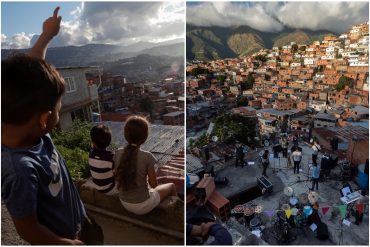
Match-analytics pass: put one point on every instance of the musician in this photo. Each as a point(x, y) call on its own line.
point(360, 213)
point(315, 148)
point(239, 155)
point(315, 175)
point(220, 234)
point(265, 162)
point(284, 145)
point(297, 157)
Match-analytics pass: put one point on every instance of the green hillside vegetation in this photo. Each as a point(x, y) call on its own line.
point(244, 44)
point(299, 37)
point(209, 43)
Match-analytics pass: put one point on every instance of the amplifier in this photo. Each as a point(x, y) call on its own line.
point(264, 184)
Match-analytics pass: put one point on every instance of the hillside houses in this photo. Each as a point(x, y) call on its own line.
point(294, 91)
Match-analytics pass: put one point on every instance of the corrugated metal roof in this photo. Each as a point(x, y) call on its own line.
point(193, 164)
point(164, 141)
point(348, 132)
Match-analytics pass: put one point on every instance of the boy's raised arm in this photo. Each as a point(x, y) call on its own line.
point(50, 28)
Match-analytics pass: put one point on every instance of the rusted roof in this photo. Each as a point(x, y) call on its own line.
point(164, 141)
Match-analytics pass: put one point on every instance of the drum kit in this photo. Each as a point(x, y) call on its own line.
point(301, 206)
point(248, 214)
point(238, 211)
point(252, 217)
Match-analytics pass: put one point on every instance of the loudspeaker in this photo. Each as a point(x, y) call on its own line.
point(322, 231)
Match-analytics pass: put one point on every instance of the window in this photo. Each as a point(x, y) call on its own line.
point(70, 84)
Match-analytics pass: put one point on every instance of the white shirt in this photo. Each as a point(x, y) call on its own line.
point(297, 155)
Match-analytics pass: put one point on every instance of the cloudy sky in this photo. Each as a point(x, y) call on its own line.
point(274, 16)
point(120, 23)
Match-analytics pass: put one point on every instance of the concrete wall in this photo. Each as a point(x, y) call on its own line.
point(82, 90)
point(358, 152)
point(65, 120)
point(169, 214)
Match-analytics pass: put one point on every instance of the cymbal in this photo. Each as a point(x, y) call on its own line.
point(248, 211)
point(288, 191)
point(303, 198)
point(313, 197)
point(239, 208)
point(258, 209)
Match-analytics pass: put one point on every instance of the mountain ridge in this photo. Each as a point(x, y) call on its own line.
point(241, 40)
point(93, 54)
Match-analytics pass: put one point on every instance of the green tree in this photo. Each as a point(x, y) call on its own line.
point(243, 101)
point(199, 71)
point(220, 79)
point(302, 48)
point(343, 82)
point(147, 105)
point(261, 58)
point(235, 127)
point(76, 161)
point(203, 140)
point(75, 136)
point(294, 48)
point(248, 83)
point(74, 144)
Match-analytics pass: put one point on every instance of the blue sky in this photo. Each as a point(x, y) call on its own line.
point(28, 17)
point(121, 23)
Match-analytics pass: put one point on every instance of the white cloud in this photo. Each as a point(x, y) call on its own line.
point(333, 16)
point(120, 23)
point(16, 41)
point(273, 16)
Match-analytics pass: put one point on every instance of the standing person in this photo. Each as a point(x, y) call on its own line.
point(315, 176)
point(239, 156)
point(360, 205)
point(315, 148)
point(265, 162)
point(295, 140)
point(36, 185)
point(101, 162)
point(284, 145)
point(297, 157)
point(135, 170)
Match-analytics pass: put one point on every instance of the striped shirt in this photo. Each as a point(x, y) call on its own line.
point(101, 166)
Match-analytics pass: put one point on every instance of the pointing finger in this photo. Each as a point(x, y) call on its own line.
point(56, 10)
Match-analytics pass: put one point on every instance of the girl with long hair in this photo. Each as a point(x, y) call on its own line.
point(136, 170)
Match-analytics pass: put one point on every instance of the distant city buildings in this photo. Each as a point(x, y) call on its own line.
point(120, 98)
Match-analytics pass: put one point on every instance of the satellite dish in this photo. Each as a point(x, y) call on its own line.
point(214, 138)
point(288, 191)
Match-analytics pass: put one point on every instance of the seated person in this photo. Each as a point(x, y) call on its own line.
point(101, 162)
point(135, 170)
point(197, 234)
